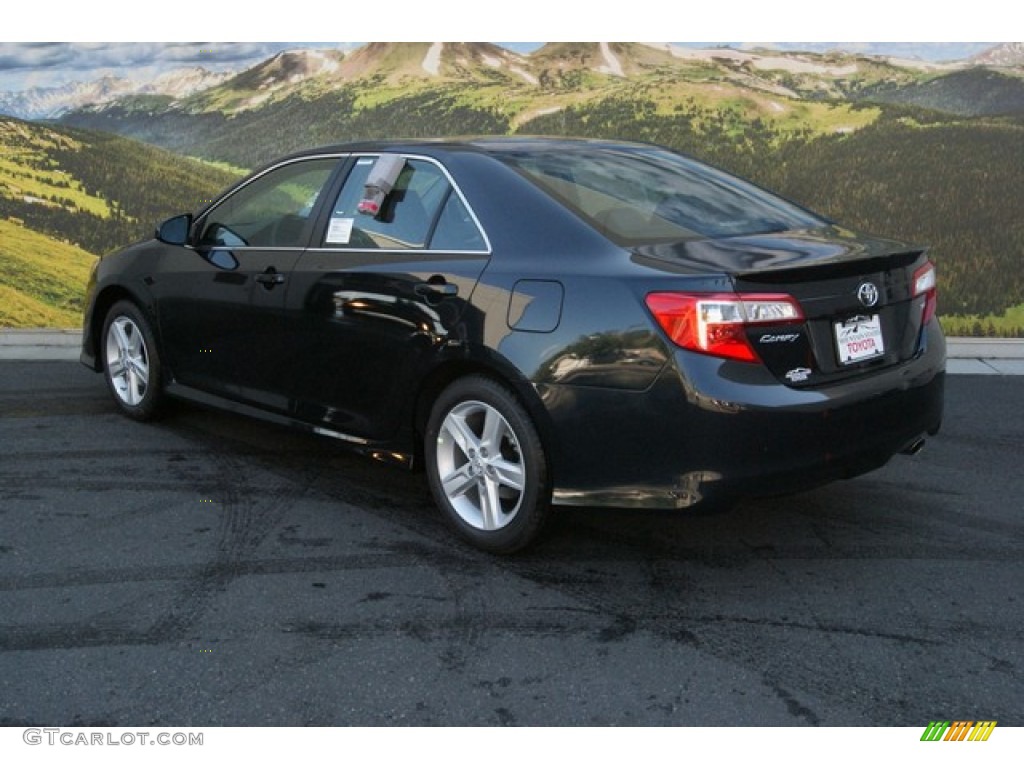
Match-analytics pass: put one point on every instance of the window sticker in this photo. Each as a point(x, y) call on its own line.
point(339, 231)
point(365, 161)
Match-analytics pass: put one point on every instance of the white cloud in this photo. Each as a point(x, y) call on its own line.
point(28, 65)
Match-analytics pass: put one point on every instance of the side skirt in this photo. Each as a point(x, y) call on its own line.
point(375, 450)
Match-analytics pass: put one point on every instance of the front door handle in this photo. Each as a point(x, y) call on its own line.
point(269, 278)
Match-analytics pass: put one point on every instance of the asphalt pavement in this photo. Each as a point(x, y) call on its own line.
point(209, 569)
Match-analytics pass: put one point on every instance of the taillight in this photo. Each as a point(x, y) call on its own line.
point(924, 284)
point(716, 323)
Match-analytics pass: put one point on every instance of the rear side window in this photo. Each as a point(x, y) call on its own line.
point(456, 230)
point(422, 211)
point(640, 195)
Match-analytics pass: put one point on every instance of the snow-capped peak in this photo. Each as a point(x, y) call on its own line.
point(184, 82)
point(1002, 55)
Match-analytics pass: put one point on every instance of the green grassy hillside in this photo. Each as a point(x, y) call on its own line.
point(67, 195)
point(96, 190)
point(41, 280)
point(954, 185)
point(972, 92)
point(1008, 324)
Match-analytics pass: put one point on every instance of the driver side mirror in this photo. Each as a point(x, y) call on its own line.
point(175, 230)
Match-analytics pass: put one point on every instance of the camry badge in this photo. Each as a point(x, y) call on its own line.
point(867, 293)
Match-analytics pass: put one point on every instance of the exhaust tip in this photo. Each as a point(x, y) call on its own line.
point(914, 447)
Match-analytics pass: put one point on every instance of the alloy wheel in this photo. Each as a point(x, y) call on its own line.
point(480, 465)
point(127, 360)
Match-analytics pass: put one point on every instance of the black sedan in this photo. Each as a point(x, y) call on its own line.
point(536, 322)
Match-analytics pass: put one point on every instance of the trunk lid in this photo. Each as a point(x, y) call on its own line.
point(856, 292)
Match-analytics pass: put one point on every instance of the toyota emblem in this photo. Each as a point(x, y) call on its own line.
point(868, 294)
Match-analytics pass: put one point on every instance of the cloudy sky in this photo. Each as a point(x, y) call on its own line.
point(35, 62)
point(30, 65)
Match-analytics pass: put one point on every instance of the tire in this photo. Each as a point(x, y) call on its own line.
point(131, 362)
point(486, 465)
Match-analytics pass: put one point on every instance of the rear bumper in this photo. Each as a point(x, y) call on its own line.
point(710, 429)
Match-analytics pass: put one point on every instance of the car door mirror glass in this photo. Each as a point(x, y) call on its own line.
point(222, 259)
point(174, 231)
point(217, 235)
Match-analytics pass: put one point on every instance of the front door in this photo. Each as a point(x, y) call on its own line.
point(221, 300)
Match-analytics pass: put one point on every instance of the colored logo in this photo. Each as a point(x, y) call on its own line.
point(959, 730)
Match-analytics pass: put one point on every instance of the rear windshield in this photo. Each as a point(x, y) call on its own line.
point(639, 195)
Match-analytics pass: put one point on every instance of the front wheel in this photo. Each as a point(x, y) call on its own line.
point(131, 363)
point(486, 465)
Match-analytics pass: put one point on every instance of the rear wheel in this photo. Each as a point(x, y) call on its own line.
point(486, 465)
point(131, 363)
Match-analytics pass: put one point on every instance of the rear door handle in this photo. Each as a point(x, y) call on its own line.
point(438, 289)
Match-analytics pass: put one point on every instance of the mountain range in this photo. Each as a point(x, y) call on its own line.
point(922, 151)
point(303, 97)
point(1002, 55)
point(294, 70)
point(42, 103)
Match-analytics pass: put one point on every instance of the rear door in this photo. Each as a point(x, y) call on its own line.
point(379, 295)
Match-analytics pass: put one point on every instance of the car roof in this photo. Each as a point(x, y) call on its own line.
point(477, 144)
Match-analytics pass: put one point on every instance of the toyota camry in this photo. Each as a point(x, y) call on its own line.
point(535, 322)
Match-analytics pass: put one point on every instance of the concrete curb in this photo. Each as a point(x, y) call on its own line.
point(40, 344)
point(965, 355)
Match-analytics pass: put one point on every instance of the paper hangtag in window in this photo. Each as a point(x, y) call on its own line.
point(339, 231)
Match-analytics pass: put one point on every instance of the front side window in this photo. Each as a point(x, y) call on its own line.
point(272, 211)
point(421, 211)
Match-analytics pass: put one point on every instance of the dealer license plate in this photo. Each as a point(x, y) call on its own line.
point(859, 339)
